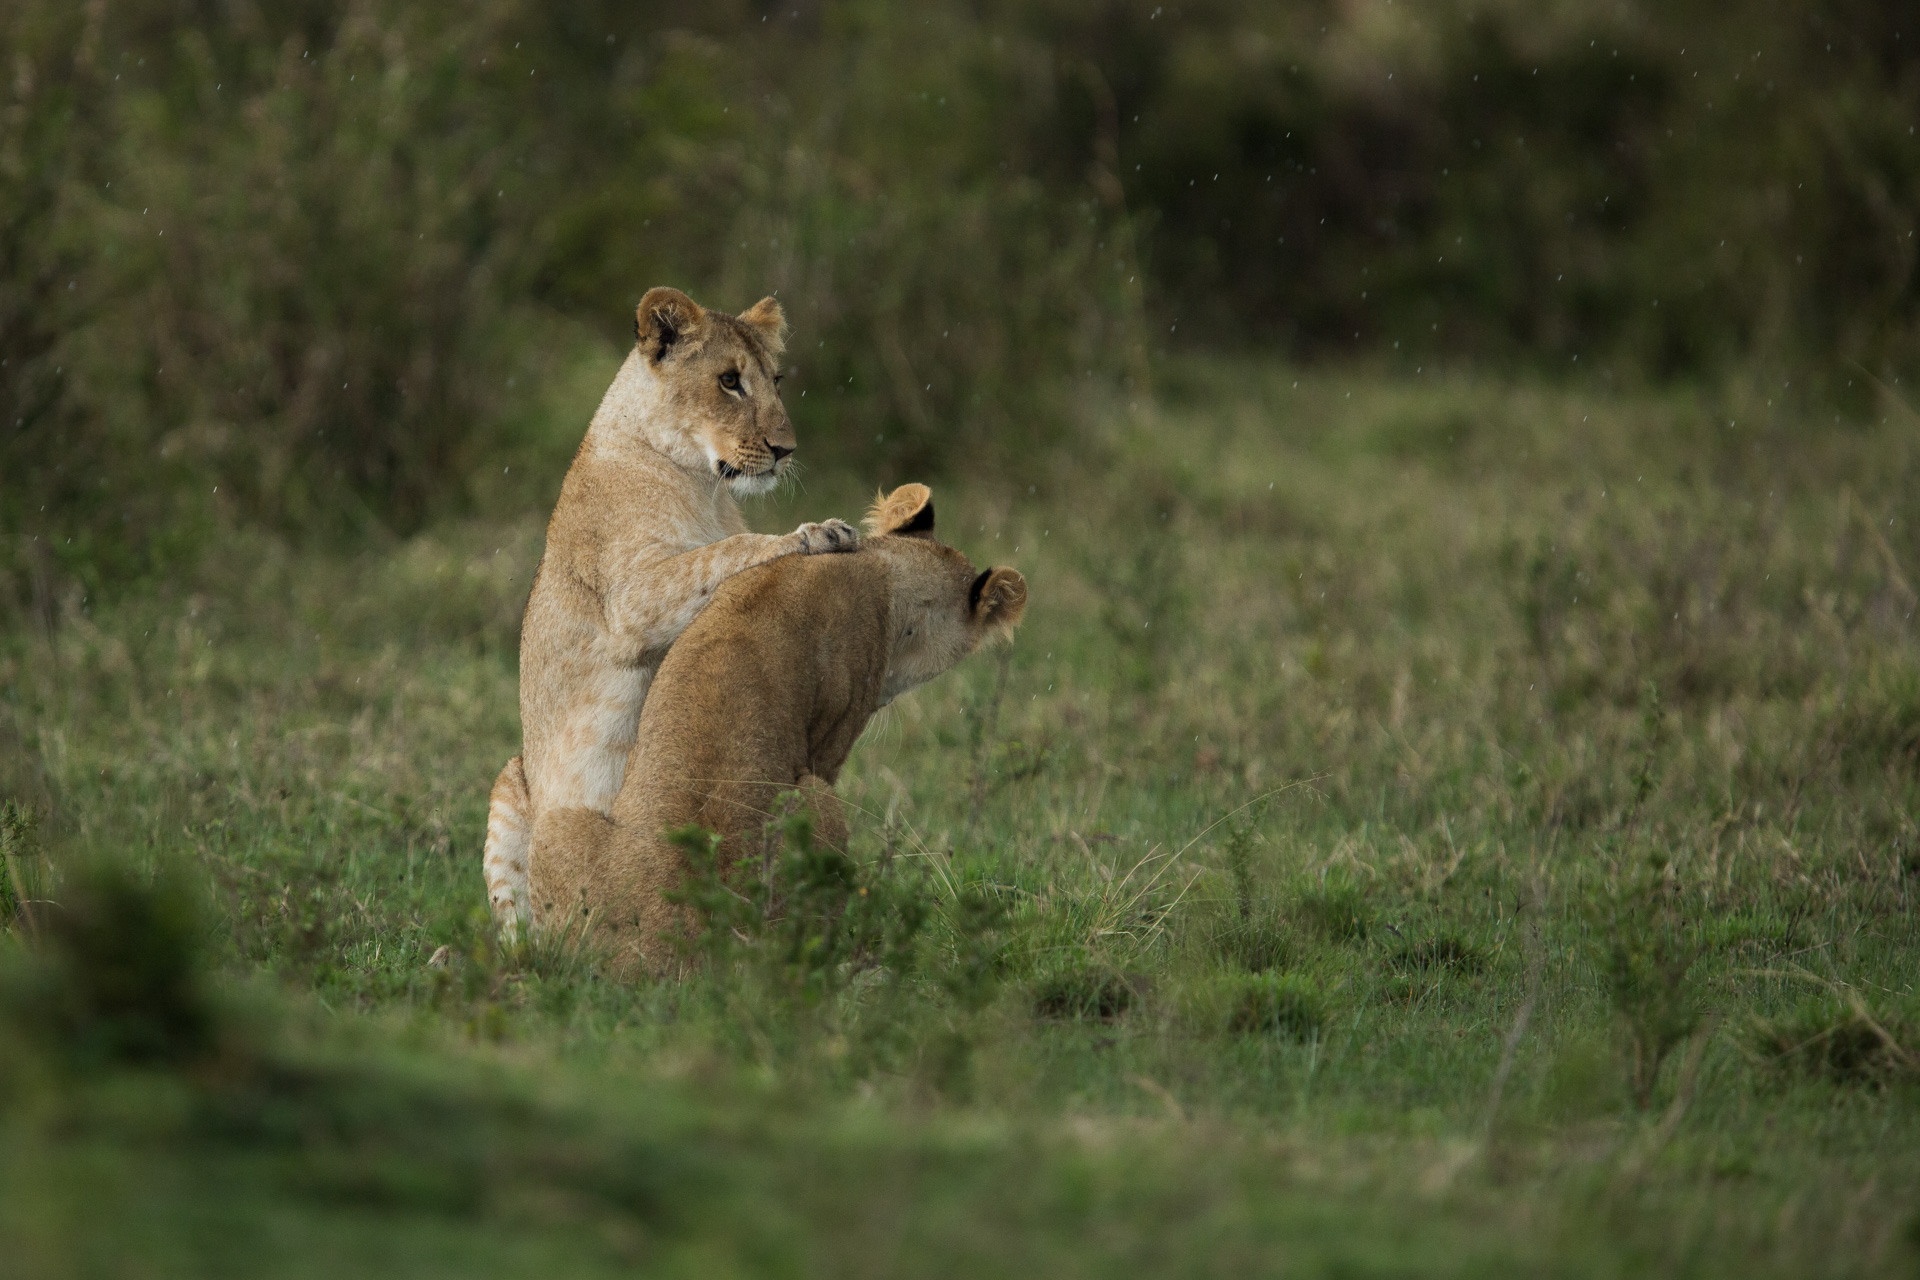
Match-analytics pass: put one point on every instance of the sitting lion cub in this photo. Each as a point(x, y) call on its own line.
point(765, 692)
point(644, 530)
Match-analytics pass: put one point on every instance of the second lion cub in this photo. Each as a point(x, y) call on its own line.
point(766, 692)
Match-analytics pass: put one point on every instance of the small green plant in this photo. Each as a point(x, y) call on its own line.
point(1646, 957)
point(1240, 867)
point(809, 920)
point(1653, 742)
point(973, 960)
point(1252, 936)
point(966, 957)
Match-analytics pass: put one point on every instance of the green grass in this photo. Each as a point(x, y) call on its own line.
point(1426, 826)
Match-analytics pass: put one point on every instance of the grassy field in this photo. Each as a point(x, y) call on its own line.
point(1427, 825)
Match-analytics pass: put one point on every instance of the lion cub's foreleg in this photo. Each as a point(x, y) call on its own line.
point(653, 602)
point(509, 840)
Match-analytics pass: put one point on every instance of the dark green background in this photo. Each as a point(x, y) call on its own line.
point(327, 256)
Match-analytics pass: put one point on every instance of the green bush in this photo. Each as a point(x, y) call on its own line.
point(314, 269)
point(1646, 954)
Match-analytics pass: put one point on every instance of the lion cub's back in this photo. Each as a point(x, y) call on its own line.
point(741, 684)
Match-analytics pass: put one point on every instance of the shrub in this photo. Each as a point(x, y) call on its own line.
point(1249, 934)
point(302, 269)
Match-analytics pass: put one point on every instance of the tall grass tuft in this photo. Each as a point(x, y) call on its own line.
point(1842, 1041)
point(1286, 1006)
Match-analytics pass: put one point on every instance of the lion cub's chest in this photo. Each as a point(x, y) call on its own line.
point(594, 676)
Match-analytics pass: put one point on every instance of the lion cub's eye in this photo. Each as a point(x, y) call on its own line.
point(730, 380)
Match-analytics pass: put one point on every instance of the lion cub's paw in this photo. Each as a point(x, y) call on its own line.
point(828, 535)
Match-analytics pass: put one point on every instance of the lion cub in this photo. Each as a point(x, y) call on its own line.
point(766, 692)
point(644, 531)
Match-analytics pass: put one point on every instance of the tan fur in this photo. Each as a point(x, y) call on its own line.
point(765, 692)
point(645, 530)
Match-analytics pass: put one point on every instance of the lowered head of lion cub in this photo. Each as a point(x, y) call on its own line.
point(764, 693)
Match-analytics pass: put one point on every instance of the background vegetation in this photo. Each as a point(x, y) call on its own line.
point(1452, 807)
point(319, 254)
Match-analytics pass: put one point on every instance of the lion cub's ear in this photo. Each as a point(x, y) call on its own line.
point(998, 598)
point(666, 318)
point(906, 512)
point(769, 324)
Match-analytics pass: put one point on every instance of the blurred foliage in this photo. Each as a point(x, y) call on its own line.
point(311, 264)
point(120, 979)
point(1666, 186)
point(811, 918)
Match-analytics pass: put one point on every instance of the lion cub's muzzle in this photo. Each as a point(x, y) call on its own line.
point(763, 463)
point(755, 471)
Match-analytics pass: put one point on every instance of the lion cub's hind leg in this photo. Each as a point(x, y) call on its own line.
point(509, 837)
point(570, 896)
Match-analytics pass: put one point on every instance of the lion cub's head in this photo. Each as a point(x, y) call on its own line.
point(943, 609)
point(719, 377)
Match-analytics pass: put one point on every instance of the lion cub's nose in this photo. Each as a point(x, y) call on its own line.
point(779, 450)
